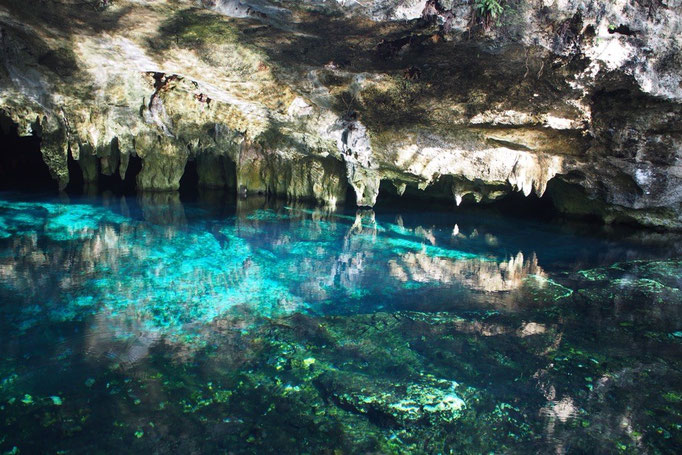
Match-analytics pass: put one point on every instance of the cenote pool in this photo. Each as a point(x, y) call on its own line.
point(145, 325)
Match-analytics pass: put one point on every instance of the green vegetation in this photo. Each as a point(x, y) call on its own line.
point(488, 11)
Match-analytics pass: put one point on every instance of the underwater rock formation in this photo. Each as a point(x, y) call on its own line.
point(579, 99)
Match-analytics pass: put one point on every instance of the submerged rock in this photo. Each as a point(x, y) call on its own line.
point(392, 403)
point(650, 282)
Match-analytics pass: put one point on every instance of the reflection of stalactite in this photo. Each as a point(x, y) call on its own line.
point(25, 271)
point(162, 208)
point(349, 267)
point(365, 223)
point(477, 274)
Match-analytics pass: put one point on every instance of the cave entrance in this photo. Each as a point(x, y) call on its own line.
point(21, 162)
point(229, 168)
point(208, 173)
point(129, 183)
point(189, 182)
point(351, 197)
point(516, 204)
point(117, 185)
point(113, 183)
point(76, 180)
point(439, 196)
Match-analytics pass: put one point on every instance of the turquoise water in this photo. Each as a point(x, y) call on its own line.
point(145, 325)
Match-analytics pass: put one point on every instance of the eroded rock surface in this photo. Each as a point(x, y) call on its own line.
point(300, 99)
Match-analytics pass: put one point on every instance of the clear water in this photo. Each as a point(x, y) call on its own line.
point(151, 326)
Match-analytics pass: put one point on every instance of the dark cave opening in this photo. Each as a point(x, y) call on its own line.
point(230, 172)
point(189, 182)
point(76, 180)
point(351, 198)
point(438, 197)
point(127, 185)
point(209, 177)
point(21, 162)
point(112, 183)
point(22, 168)
point(531, 206)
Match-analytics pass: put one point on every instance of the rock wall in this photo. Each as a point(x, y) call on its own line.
point(581, 99)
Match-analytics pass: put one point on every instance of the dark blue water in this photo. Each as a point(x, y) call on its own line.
point(154, 326)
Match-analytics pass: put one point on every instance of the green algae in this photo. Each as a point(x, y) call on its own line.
point(396, 414)
point(546, 289)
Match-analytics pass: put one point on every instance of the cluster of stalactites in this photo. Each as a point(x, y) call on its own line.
point(234, 162)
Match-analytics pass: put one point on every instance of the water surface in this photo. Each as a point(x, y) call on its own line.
point(147, 325)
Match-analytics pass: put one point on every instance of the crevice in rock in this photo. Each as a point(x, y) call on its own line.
point(623, 30)
point(162, 82)
point(508, 144)
point(76, 179)
point(189, 182)
point(134, 168)
point(125, 185)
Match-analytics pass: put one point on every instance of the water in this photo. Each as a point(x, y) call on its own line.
point(144, 325)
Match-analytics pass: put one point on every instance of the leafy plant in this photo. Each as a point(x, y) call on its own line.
point(488, 10)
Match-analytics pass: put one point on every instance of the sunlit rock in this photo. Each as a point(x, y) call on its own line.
point(435, 400)
point(531, 328)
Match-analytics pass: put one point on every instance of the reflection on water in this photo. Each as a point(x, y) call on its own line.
point(473, 273)
point(352, 331)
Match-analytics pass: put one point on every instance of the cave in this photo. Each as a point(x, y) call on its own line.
point(104, 183)
point(189, 182)
point(127, 185)
point(76, 180)
point(21, 162)
point(272, 274)
point(438, 196)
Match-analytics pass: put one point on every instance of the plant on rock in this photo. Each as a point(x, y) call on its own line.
point(488, 11)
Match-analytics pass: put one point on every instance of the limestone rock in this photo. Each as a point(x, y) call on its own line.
point(579, 99)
